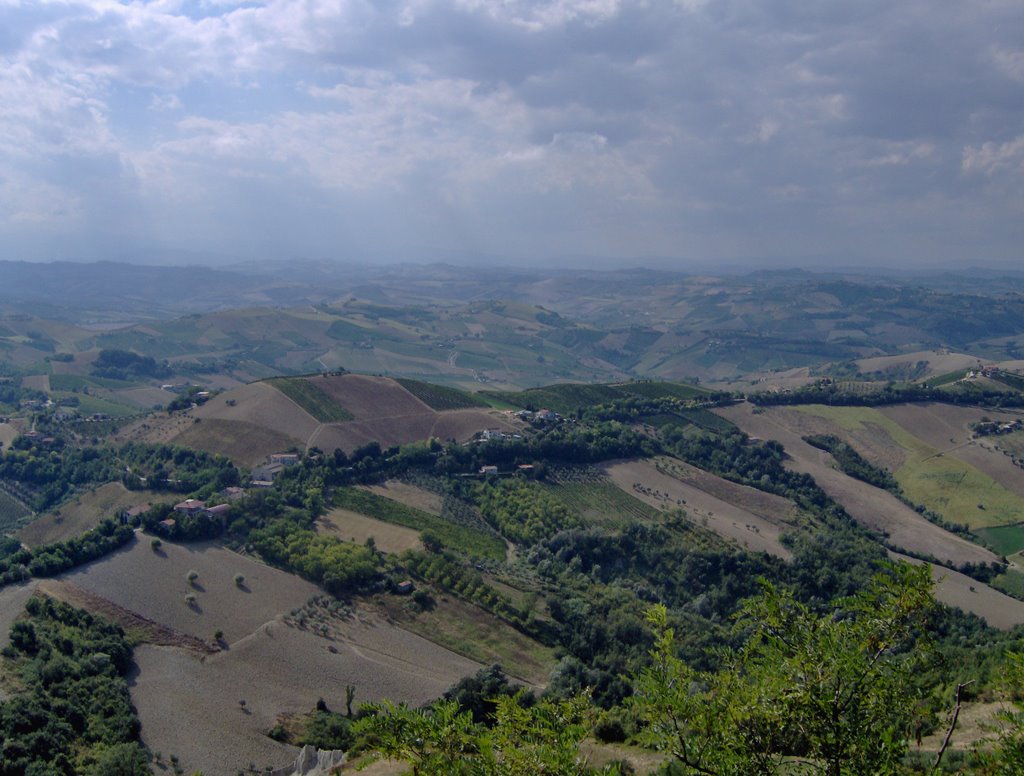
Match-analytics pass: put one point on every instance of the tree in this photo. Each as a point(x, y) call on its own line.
point(825, 692)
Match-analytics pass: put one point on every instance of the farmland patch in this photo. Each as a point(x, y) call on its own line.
point(308, 395)
point(154, 585)
point(875, 508)
point(193, 708)
point(354, 527)
point(83, 513)
point(656, 487)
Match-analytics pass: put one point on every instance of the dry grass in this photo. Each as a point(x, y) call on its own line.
point(354, 527)
point(410, 495)
point(190, 707)
point(960, 591)
point(262, 405)
point(246, 444)
point(938, 363)
point(8, 434)
point(153, 585)
point(756, 532)
point(12, 603)
point(84, 512)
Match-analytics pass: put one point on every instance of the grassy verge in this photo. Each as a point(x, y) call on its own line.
point(451, 535)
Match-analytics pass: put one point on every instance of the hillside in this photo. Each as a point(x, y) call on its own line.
point(248, 423)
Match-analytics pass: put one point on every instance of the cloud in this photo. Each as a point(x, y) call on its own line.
point(719, 129)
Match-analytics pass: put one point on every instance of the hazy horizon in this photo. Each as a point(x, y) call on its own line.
point(690, 135)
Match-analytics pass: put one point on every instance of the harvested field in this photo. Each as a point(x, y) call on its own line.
point(938, 363)
point(960, 591)
point(84, 512)
point(651, 484)
point(144, 397)
point(401, 429)
point(461, 425)
point(135, 625)
point(941, 425)
point(469, 630)
point(354, 527)
point(12, 603)
point(190, 707)
point(246, 444)
point(871, 506)
point(410, 495)
point(8, 434)
point(262, 405)
point(153, 585)
point(371, 397)
point(934, 477)
point(36, 382)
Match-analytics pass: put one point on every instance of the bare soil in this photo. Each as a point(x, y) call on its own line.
point(938, 363)
point(871, 506)
point(153, 586)
point(354, 527)
point(12, 604)
point(646, 481)
point(369, 397)
point(960, 591)
point(191, 707)
point(246, 444)
point(8, 434)
point(262, 405)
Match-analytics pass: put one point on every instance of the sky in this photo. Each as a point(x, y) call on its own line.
point(683, 131)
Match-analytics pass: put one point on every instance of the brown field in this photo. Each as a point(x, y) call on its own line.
point(37, 382)
point(263, 405)
point(188, 701)
point(369, 397)
point(410, 495)
point(84, 512)
point(938, 363)
point(354, 527)
point(150, 396)
point(8, 434)
point(873, 507)
point(961, 592)
point(941, 425)
point(153, 585)
point(753, 531)
point(402, 429)
point(190, 707)
point(12, 603)
point(246, 444)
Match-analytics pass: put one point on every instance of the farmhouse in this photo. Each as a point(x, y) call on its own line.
point(218, 512)
point(232, 493)
point(489, 471)
point(264, 476)
point(285, 459)
point(190, 506)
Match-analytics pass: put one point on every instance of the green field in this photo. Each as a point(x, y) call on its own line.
point(659, 390)
point(313, 400)
point(1004, 539)
point(457, 537)
point(440, 397)
point(956, 490)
